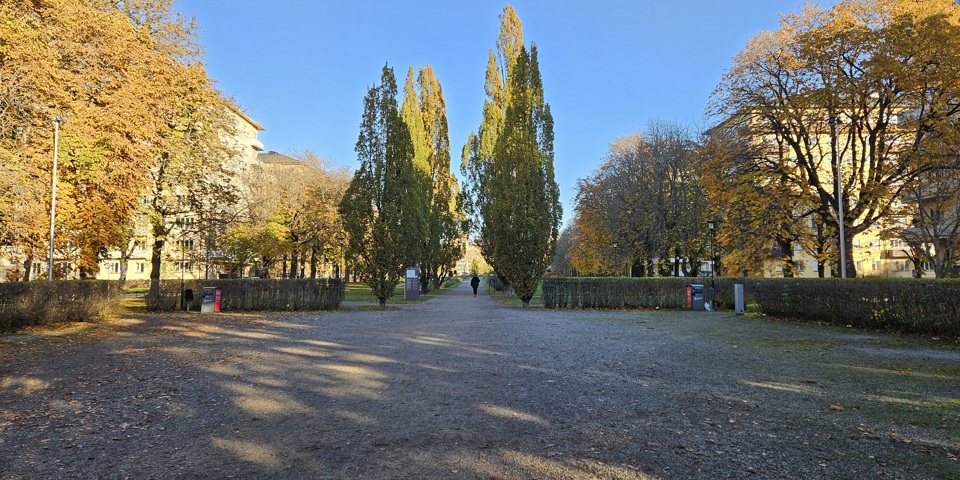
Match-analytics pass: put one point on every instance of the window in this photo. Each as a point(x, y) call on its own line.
point(139, 267)
point(859, 264)
point(183, 267)
point(186, 245)
point(875, 265)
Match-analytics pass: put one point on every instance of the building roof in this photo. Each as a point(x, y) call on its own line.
point(244, 116)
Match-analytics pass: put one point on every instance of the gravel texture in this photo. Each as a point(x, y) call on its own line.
point(466, 388)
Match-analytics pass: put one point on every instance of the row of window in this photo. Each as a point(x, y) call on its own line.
point(114, 267)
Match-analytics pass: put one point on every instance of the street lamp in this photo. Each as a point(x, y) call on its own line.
point(616, 256)
point(834, 123)
point(53, 198)
point(712, 226)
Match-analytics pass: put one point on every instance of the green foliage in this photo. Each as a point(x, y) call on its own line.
point(24, 304)
point(474, 267)
point(382, 210)
point(901, 305)
point(255, 295)
point(522, 215)
point(616, 292)
point(509, 165)
point(425, 113)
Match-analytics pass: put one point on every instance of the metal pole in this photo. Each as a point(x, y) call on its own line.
point(843, 251)
point(712, 226)
point(53, 198)
point(183, 260)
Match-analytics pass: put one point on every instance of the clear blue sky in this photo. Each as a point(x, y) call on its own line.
point(301, 67)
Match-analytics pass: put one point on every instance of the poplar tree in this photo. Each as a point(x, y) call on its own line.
point(381, 213)
point(509, 164)
point(477, 155)
point(425, 112)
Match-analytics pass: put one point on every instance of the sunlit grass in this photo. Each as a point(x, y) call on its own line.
point(360, 292)
point(513, 299)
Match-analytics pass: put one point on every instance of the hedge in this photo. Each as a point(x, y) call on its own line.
point(25, 304)
point(255, 295)
point(902, 305)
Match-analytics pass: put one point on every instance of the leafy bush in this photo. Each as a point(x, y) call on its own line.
point(616, 293)
point(255, 294)
point(24, 304)
point(904, 305)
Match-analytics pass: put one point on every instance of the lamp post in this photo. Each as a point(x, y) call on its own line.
point(834, 123)
point(712, 226)
point(616, 255)
point(53, 198)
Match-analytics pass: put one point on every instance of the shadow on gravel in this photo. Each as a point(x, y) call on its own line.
point(462, 388)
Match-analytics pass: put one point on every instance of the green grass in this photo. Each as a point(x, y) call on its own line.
point(360, 292)
point(513, 299)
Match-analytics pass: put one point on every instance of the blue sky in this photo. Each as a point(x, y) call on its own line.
point(301, 67)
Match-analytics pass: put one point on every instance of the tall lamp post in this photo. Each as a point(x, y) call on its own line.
point(712, 226)
point(834, 123)
point(53, 198)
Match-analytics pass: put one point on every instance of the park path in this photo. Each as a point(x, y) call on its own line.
point(464, 387)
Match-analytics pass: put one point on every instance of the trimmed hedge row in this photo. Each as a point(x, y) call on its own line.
point(255, 295)
point(25, 304)
point(903, 305)
point(616, 293)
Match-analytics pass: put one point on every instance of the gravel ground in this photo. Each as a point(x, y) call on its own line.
point(462, 387)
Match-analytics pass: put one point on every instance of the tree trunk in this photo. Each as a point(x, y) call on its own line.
point(848, 250)
point(155, 262)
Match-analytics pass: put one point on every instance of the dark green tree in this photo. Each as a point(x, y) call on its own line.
point(381, 209)
point(521, 214)
point(477, 156)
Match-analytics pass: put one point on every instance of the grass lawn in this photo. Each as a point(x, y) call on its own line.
point(513, 299)
point(360, 292)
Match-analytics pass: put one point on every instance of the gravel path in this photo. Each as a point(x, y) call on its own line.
point(465, 388)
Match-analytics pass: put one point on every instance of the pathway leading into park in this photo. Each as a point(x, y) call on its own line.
point(464, 387)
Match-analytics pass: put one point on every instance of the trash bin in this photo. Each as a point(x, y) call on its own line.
point(210, 302)
point(695, 297)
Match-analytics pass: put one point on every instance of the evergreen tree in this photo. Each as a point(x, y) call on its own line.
point(381, 209)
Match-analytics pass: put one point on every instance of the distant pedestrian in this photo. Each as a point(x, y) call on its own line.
point(475, 283)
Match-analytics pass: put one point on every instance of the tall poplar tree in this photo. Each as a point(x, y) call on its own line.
point(509, 164)
point(425, 112)
point(381, 213)
point(477, 155)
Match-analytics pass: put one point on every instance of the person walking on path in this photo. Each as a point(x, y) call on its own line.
point(475, 283)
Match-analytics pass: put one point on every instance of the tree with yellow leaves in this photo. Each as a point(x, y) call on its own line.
point(866, 84)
